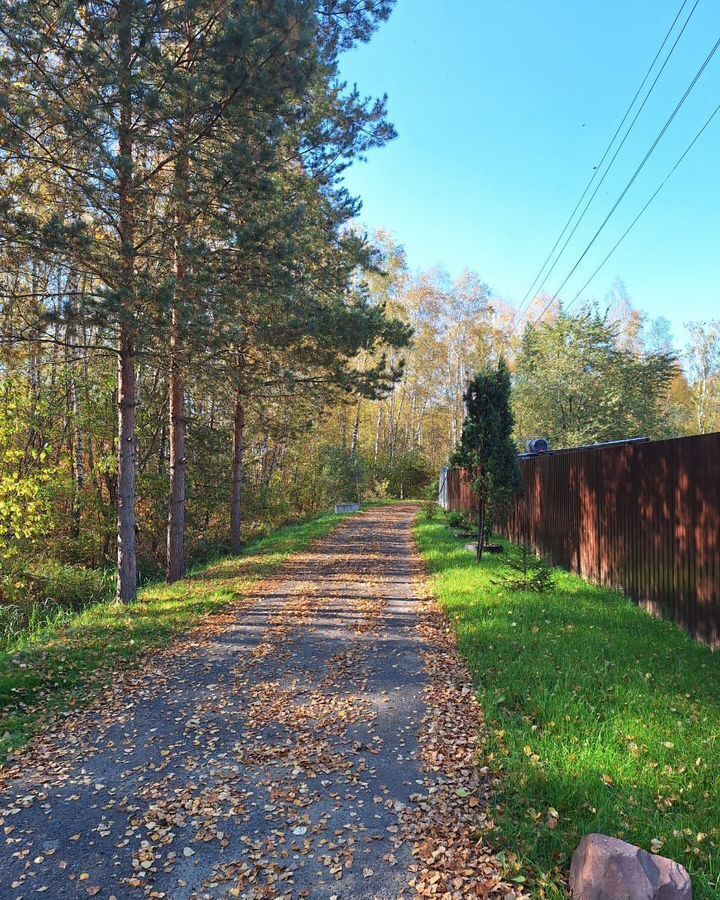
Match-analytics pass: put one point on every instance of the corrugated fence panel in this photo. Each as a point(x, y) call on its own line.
point(642, 518)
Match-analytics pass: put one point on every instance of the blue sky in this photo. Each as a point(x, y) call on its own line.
point(502, 111)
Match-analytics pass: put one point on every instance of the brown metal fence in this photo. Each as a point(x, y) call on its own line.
point(641, 518)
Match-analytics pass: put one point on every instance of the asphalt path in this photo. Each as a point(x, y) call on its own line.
point(295, 746)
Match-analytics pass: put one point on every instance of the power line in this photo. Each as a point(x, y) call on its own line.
point(619, 148)
point(653, 196)
point(599, 166)
point(635, 174)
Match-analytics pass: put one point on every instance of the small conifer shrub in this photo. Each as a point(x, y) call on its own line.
point(528, 571)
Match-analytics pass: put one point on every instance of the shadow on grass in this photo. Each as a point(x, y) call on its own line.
point(594, 710)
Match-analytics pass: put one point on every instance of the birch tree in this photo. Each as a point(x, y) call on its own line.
point(703, 365)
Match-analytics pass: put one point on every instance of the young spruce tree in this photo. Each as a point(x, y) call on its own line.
point(486, 447)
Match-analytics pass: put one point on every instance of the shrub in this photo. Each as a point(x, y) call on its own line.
point(527, 571)
point(74, 587)
point(379, 489)
point(54, 593)
point(456, 519)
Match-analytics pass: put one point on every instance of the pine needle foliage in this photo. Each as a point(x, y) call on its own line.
point(526, 571)
point(486, 448)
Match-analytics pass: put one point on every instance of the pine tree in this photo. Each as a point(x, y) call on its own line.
point(296, 318)
point(486, 447)
point(528, 571)
point(286, 258)
point(231, 81)
point(80, 112)
point(176, 170)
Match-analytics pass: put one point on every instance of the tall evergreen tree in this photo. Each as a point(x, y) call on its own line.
point(285, 257)
point(231, 85)
point(82, 84)
point(486, 447)
point(163, 127)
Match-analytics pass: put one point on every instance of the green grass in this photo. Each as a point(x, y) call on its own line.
point(593, 709)
point(51, 596)
point(47, 670)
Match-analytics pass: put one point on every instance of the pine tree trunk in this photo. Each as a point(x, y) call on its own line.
point(176, 514)
point(76, 451)
point(127, 375)
point(237, 472)
point(80, 448)
point(178, 425)
point(126, 537)
point(78, 456)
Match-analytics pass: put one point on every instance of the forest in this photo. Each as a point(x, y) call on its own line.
point(198, 338)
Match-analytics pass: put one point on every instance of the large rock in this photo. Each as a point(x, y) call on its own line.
point(605, 868)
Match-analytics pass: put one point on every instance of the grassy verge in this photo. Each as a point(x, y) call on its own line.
point(60, 666)
point(51, 597)
point(601, 718)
